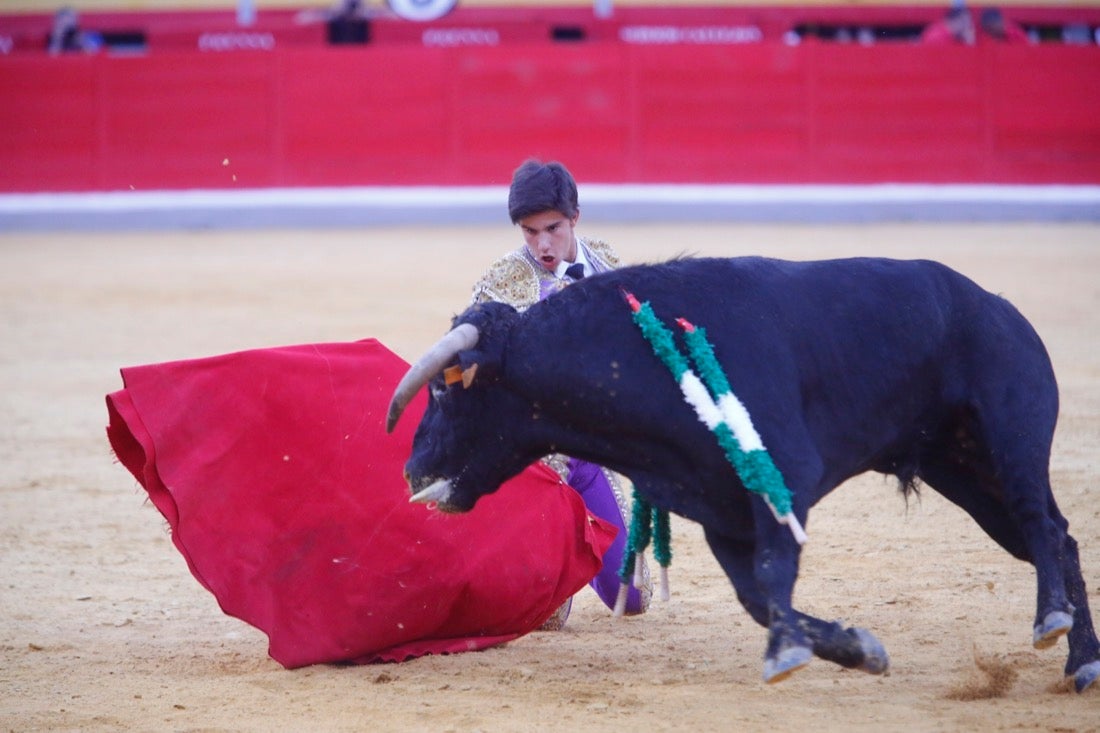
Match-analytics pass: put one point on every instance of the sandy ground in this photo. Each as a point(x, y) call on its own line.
point(103, 628)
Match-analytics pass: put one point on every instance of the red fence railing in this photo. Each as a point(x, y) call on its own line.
point(402, 113)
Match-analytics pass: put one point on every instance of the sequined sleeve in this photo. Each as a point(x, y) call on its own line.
point(603, 251)
point(512, 280)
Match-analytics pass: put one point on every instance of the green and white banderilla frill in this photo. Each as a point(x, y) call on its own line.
point(718, 408)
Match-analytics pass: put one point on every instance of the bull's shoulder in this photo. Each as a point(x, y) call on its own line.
point(511, 279)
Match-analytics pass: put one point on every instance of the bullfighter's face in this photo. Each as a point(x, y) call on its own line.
point(549, 237)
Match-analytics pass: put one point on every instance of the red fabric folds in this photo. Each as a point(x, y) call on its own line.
point(285, 495)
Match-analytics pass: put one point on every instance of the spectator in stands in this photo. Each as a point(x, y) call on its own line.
point(956, 26)
point(995, 25)
point(66, 35)
point(347, 22)
point(1077, 34)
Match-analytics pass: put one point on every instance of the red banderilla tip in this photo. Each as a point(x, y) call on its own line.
point(685, 324)
point(632, 301)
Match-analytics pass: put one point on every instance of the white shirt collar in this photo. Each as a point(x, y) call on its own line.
point(559, 272)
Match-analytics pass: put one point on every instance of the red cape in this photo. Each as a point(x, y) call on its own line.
point(285, 495)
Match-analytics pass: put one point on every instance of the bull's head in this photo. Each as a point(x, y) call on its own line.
point(466, 444)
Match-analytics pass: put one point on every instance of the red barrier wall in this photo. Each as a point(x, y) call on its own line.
point(767, 112)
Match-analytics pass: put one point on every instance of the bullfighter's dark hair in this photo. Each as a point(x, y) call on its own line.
point(538, 187)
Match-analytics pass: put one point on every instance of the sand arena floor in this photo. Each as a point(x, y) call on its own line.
point(102, 628)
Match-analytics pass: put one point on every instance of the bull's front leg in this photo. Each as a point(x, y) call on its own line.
point(852, 647)
point(775, 569)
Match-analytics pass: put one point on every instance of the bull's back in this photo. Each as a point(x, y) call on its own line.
point(859, 314)
point(860, 353)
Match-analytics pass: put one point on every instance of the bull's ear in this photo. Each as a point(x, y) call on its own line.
point(455, 374)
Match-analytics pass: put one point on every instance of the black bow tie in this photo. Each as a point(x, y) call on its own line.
point(575, 271)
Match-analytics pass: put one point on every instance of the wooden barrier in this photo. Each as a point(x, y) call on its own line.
point(303, 114)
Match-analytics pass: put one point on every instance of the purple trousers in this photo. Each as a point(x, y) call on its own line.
point(591, 483)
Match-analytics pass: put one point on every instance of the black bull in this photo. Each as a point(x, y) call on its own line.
point(906, 368)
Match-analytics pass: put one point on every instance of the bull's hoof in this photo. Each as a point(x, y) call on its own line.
point(875, 658)
point(1055, 625)
point(786, 663)
point(1085, 675)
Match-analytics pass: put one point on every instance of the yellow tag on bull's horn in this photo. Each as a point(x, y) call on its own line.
point(455, 374)
point(452, 374)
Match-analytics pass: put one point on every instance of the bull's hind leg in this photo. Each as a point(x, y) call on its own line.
point(1016, 434)
point(1013, 428)
point(1083, 663)
point(854, 648)
point(966, 478)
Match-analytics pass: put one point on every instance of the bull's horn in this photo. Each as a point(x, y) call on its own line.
point(440, 491)
point(461, 337)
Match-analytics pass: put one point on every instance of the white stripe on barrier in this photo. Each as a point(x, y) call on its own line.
point(628, 202)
